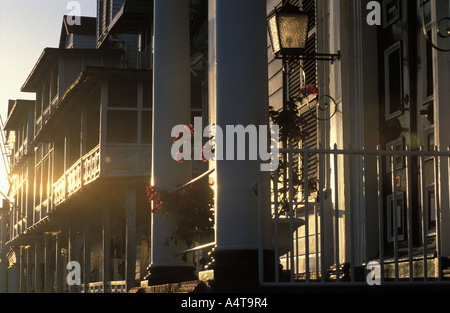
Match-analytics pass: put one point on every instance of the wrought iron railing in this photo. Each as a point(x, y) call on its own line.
point(200, 252)
point(344, 232)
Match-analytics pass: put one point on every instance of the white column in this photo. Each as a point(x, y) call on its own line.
point(37, 265)
point(87, 253)
point(48, 272)
point(106, 246)
point(241, 96)
point(3, 259)
point(441, 66)
point(29, 257)
point(353, 116)
point(60, 269)
point(130, 244)
point(171, 107)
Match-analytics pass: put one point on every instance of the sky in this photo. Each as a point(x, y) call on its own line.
point(27, 27)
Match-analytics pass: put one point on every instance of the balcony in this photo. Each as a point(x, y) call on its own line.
point(20, 154)
point(99, 287)
point(83, 172)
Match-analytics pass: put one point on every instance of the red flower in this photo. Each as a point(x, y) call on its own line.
point(309, 90)
point(153, 196)
point(178, 157)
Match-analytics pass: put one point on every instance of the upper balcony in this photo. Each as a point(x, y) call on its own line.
point(55, 72)
point(101, 128)
point(19, 125)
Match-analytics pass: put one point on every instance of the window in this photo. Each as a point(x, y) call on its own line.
point(431, 209)
point(393, 81)
point(147, 97)
point(146, 129)
point(37, 184)
point(129, 115)
point(429, 68)
point(122, 126)
point(122, 93)
point(45, 179)
point(399, 210)
point(45, 97)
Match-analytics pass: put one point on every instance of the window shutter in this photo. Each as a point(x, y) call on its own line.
point(309, 67)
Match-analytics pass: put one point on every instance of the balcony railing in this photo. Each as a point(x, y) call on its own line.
point(21, 152)
point(91, 165)
point(111, 287)
point(83, 172)
point(74, 178)
point(347, 232)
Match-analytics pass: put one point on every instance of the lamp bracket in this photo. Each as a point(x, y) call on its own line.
point(311, 56)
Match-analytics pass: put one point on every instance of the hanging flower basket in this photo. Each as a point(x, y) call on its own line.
point(194, 205)
point(292, 128)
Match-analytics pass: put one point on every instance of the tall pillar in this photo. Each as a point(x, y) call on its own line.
point(353, 115)
point(87, 253)
point(48, 263)
point(106, 247)
point(37, 265)
point(72, 249)
point(241, 89)
point(171, 107)
point(130, 245)
point(59, 277)
point(3, 258)
point(441, 69)
point(22, 279)
point(30, 257)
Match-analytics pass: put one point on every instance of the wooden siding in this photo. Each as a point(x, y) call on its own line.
point(83, 42)
point(72, 70)
point(116, 5)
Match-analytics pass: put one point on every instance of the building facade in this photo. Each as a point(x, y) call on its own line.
point(371, 195)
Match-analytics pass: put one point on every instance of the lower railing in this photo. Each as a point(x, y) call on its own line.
point(111, 287)
point(370, 217)
point(201, 252)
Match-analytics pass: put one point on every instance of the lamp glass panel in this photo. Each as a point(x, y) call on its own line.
point(273, 33)
point(293, 30)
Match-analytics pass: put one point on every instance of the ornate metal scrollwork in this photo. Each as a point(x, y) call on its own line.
point(323, 107)
point(440, 28)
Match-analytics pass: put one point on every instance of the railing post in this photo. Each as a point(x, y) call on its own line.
point(409, 208)
point(130, 244)
point(424, 217)
point(437, 211)
point(394, 209)
point(322, 215)
point(305, 196)
point(336, 211)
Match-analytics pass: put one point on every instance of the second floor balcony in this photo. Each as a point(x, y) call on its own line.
point(83, 172)
point(101, 129)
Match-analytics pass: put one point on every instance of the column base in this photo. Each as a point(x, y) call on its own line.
point(159, 275)
point(238, 270)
